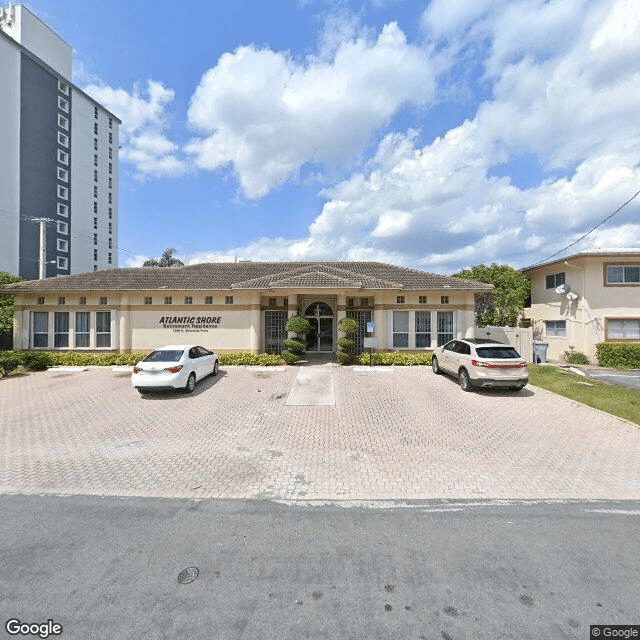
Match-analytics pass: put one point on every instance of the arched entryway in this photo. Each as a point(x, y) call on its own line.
point(320, 336)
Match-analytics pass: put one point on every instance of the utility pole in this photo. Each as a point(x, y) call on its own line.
point(43, 245)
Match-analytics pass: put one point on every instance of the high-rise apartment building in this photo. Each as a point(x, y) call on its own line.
point(58, 157)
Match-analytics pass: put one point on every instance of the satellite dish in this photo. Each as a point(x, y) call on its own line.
point(562, 289)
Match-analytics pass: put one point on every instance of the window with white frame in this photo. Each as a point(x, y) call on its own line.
point(168, 299)
point(554, 280)
point(63, 104)
point(41, 300)
point(41, 329)
point(444, 299)
point(63, 122)
point(83, 329)
point(63, 210)
point(623, 274)
point(622, 329)
point(445, 327)
point(103, 299)
point(61, 329)
point(63, 139)
point(208, 299)
point(423, 329)
point(63, 192)
point(555, 328)
point(148, 300)
point(228, 299)
point(400, 329)
point(63, 87)
point(63, 245)
point(95, 190)
point(62, 300)
point(188, 299)
point(103, 329)
point(63, 263)
point(63, 227)
point(63, 156)
point(422, 299)
point(83, 300)
point(399, 299)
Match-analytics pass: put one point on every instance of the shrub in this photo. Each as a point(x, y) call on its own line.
point(618, 355)
point(397, 358)
point(348, 325)
point(294, 346)
point(577, 358)
point(297, 324)
point(344, 357)
point(289, 358)
point(346, 343)
point(36, 361)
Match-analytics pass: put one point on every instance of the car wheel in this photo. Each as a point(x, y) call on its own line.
point(435, 366)
point(191, 383)
point(215, 369)
point(142, 391)
point(465, 382)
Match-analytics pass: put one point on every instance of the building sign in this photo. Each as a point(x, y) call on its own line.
point(190, 324)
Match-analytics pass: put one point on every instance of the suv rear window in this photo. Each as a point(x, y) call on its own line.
point(497, 352)
point(164, 355)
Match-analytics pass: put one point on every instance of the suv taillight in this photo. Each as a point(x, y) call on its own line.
point(174, 369)
point(490, 365)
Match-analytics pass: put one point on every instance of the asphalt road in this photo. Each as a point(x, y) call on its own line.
point(628, 379)
point(108, 568)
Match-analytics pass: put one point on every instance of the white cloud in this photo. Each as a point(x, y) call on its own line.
point(267, 115)
point(144, 121)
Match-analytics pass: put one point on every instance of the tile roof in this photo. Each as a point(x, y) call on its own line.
point(213, 276)
point(614, 253)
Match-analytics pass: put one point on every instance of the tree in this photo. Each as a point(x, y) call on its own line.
point(6, 303)
point(295, 347)
point(503, 306)
point(347, 345)
point(165, 260)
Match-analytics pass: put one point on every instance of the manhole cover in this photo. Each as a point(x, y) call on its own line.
point(188, 575)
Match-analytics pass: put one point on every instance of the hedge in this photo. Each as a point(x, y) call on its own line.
point(618, 355)
point(398, 358)
point(259, 359)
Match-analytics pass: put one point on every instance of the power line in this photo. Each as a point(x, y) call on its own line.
point(588, 232)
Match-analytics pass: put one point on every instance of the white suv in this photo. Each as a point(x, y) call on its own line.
point(481, 363)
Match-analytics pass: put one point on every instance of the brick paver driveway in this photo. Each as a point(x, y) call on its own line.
point(407, 434)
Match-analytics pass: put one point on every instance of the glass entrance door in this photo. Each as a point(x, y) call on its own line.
point(320, 336)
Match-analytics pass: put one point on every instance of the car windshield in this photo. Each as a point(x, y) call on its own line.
point(164, 355)
point(497, 352)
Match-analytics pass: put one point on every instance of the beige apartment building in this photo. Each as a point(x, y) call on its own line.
point(585, 299)
point(242, 306)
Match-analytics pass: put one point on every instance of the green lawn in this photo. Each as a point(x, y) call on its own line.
point(624, 403)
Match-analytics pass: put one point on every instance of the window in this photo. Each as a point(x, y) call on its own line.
point(61, 329)
point(63, 87)
point(110, 227)
point(40, 329)
point(556, 327)
point(83, 328)
point(110, 138)
point(285, 302)
point(228, 299)
point(95, 128)
point(110, 214)
point(445, 327)
point(95, 210)
point(95, 257)
point(63, 156)
point(83, 300)
point(103, 329)
point(61, 300)
point(63, 227)
point(422, 299)
point(103, 300)
point(272, 302)
point(208, 299)
point(95, 175)
point(63, 122)
point(110, 123)
point(554, 280)
point(63, 175)
point(95, 222)
point(63, 245)
point(423, 329)
point(95, 159)
point(41, 300)
point(400, 329)
point(110, 153)
point(63, 104)
point(110, 199)
point(168, 300)
point(400, 300)
point(95, 191)
point(110, 243)
point(148, 300)
point(350, 302)
point(622, 329)
point(63, 192)
point(110, 167)
point(63, 263)
point(364, 302)
point(63, 210)
point(623, 274)
point(110, 183)
point(444, 299)
point(188, 300)
point(63, 139)
point(95, 238)
point(95, 143)
point(95, 112)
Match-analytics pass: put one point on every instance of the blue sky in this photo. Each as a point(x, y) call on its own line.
point(434, 135)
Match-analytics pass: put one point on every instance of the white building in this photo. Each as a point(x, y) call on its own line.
point(58, 157)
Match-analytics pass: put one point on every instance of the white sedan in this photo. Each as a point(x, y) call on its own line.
point(176, 366)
